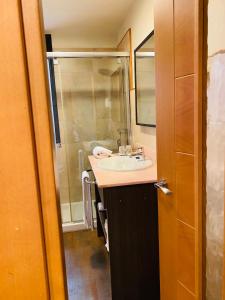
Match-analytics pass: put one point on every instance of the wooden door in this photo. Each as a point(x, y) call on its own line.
point(31, 257)
point(22, 260)
point(178, 38)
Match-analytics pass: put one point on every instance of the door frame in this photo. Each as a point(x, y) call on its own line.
point(200, 149)
point(33, 30)
point(35, 52)
point(204, 63)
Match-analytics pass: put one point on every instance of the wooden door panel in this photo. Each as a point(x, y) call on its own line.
point(179, 138)
point(22, 261)
point(184, 21)
point(184, 114)
point(185, 188)
point(183, 294)
point(186, 256)
point(165, 144)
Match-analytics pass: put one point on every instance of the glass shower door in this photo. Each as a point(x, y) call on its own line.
point(93, 109)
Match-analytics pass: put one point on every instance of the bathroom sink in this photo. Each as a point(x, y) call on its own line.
point(123, 163)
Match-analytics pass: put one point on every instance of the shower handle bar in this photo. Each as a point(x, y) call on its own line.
point(78, 54)
point(89, 181)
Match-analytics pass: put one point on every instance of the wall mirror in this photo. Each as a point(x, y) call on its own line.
point(144, 58)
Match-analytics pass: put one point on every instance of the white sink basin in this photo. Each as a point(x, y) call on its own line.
point(123, 163)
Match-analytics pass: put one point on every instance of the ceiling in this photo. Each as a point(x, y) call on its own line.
point(84, 17)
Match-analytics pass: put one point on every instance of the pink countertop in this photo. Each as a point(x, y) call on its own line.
point(110, 178)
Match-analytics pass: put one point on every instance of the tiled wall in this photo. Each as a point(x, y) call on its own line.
point(215, 177)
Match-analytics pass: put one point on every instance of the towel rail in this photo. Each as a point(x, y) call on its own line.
point(87, 180)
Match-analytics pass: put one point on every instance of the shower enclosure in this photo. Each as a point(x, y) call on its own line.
point(90, 107)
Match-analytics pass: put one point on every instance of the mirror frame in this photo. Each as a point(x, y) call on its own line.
point(135, 72)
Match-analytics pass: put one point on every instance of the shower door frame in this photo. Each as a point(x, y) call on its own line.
point(72, 225)
point(87, 54)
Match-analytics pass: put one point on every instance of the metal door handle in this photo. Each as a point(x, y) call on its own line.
point(162, 185)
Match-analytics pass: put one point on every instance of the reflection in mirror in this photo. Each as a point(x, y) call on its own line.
point(145, 82)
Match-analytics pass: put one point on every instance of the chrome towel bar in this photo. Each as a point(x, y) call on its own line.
point(87, 180)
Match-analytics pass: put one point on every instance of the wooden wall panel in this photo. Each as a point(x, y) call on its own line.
point(184, 21)
point(185, 188)
point(184, 114)
point(22, 261)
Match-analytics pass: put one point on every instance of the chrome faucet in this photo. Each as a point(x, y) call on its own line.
point(141, 152)
point(138, 152)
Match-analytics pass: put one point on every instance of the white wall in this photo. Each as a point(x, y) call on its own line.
point(216, 28)
point(63, 41)
point(140, 19)
point(215, 151)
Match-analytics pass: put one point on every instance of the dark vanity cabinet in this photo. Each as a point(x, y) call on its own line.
point(132, 217)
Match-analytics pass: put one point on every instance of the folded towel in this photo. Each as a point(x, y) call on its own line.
point(107, 235)
point(101, 152)
point(87, 202)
